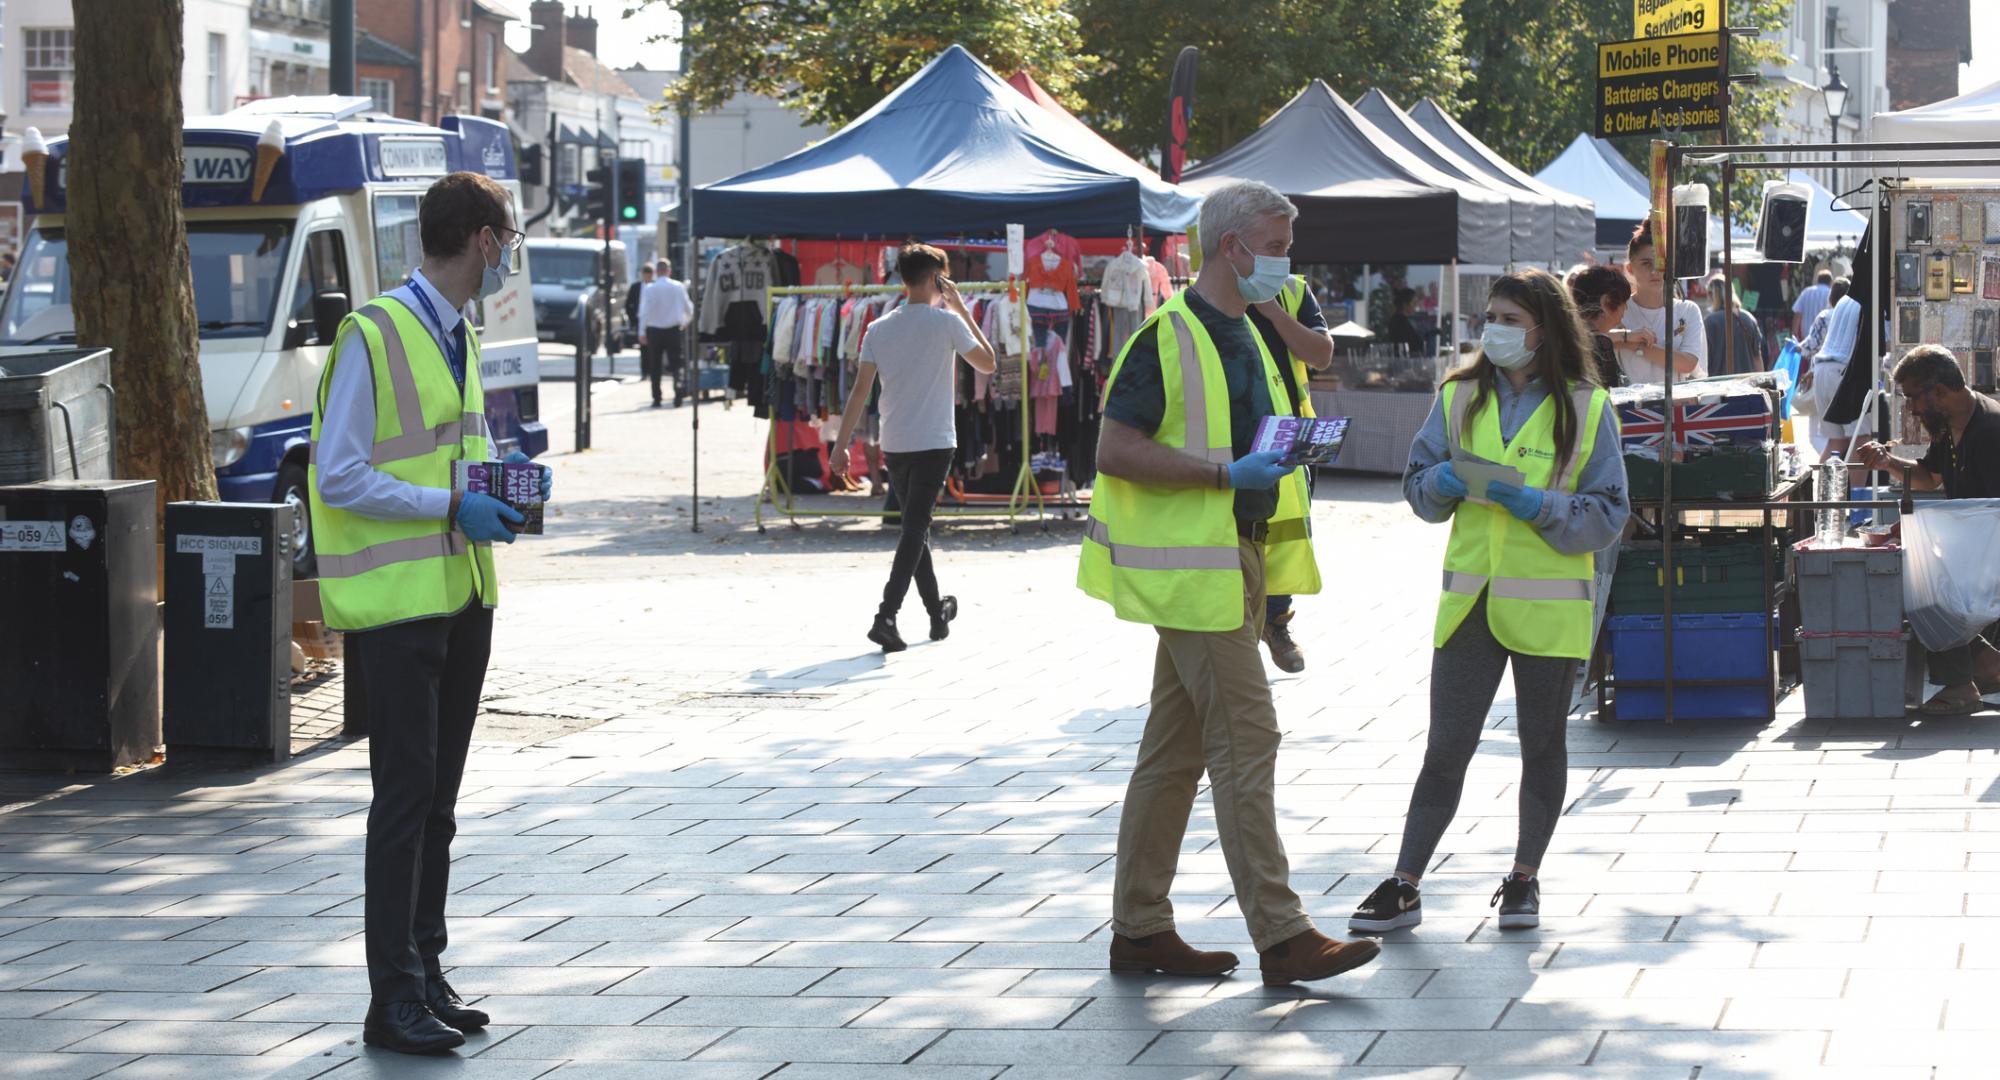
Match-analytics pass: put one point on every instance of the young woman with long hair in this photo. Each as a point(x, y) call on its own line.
point(1518, 574)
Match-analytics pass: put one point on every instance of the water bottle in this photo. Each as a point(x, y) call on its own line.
point(1831, 486)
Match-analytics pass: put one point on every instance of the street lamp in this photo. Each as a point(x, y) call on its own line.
point(1835, 95)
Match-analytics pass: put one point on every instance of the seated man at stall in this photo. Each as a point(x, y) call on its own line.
point(1964, 460)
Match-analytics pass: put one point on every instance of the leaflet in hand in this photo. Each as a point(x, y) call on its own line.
point(519, 485)
point(1304, 440)
point(1477, 473)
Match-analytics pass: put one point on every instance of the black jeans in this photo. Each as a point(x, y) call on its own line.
point(421, 683)
point(660, 352)
point(916, 479)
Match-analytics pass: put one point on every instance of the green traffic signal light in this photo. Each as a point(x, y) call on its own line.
point(631, 212)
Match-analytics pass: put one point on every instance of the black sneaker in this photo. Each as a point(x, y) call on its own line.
point(942, 617)
point(884, 633)
point(1519, 899)
point(1393, 905)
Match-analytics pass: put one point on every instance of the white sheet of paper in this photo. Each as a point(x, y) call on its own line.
point(1476, 474)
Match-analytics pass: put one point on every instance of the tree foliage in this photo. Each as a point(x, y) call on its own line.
point(832, 60)
point(1532, 82)
point(1255, 56)
point(1520, 74)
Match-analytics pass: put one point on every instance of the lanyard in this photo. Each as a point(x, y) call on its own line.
point(445, 342)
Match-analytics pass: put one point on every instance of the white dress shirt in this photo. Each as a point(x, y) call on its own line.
point(664, 304)
point(347, 430)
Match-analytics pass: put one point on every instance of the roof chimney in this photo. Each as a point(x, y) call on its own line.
point(545, 53)
point(581, 31)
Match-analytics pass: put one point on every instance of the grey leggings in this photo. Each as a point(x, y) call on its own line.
point(1465, 675)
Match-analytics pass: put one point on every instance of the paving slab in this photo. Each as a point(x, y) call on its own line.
point(708, 833)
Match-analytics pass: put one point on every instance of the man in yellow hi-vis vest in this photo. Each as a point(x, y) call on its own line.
point(1294, 331)
point(406, 571)
point(1178, 534)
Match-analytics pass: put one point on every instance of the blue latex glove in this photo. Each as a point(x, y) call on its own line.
point(548, 474)
point(1523, 503)
point(1261, 469)
point(483, 517)
point(1447, 481)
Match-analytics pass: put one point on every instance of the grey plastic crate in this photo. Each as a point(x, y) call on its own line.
point(1854, 678)
point(1850, 590)
point(57, 415)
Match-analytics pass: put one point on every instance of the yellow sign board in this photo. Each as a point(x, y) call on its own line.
point(1659, 84)
point(1686, 52)
point(1660, 18)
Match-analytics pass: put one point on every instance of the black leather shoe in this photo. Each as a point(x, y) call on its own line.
point(884, 633)
point(408, 1027)
point(942, 617)
point(447, 1006)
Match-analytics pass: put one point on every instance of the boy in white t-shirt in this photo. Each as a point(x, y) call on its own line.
point(1641, 341)
point(914, 349)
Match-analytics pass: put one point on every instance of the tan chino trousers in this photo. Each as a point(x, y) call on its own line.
point(1211, 710)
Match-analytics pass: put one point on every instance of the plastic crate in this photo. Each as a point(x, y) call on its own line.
point(1724, 472)
point(1718, 574)
point(1849, 590)
point(1854, 676)
point(1718, 646)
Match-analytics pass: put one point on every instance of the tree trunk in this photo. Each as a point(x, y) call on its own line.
point(128, 258)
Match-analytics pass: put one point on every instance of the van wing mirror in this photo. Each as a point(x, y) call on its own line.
point(328, 309)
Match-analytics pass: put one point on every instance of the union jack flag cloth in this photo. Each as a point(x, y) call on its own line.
point(1737, 420)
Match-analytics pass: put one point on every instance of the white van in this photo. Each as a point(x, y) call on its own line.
point(335, 226)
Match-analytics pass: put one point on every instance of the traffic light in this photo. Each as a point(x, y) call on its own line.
point(631, 191)
point(530, 166)
point(597, 192)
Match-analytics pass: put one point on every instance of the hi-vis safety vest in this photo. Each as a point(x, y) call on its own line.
point(1170, 557)
point(1291, 296)
point(1538, 600)
point(373, 573)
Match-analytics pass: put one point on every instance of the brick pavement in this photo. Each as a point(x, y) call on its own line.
point(763, 849)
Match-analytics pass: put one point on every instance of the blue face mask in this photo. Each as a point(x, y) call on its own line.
point(491, 278)
point(1268, 274)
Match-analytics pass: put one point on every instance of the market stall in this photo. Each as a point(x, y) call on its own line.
point(1362, 198)
point(956, 154)
point(1773, 584)
point(1970, 116)
point(1592, 169)
point(1366, 200)
point(1575, 216)
point(1532, 215)
point(954, 150)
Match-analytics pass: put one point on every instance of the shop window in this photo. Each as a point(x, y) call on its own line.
point(383, 91)
point(218, 84)
point(48, 60)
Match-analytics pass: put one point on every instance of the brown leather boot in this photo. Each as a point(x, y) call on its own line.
point(1311, 956)
point(1284, 651)
point(1167, 954)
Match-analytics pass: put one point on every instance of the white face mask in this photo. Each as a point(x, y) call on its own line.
point(1506, 346)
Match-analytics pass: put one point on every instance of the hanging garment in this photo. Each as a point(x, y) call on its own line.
point(1126, 282)
point(733, 292)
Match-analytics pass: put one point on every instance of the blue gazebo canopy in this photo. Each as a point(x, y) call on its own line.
point(956, 149)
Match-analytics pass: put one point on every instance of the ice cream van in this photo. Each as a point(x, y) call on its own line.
point(298, 209)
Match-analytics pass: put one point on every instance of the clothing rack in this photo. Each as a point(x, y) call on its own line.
point(1026, 490)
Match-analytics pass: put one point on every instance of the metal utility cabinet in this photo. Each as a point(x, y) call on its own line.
point(79, 640)
point(229, 629)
